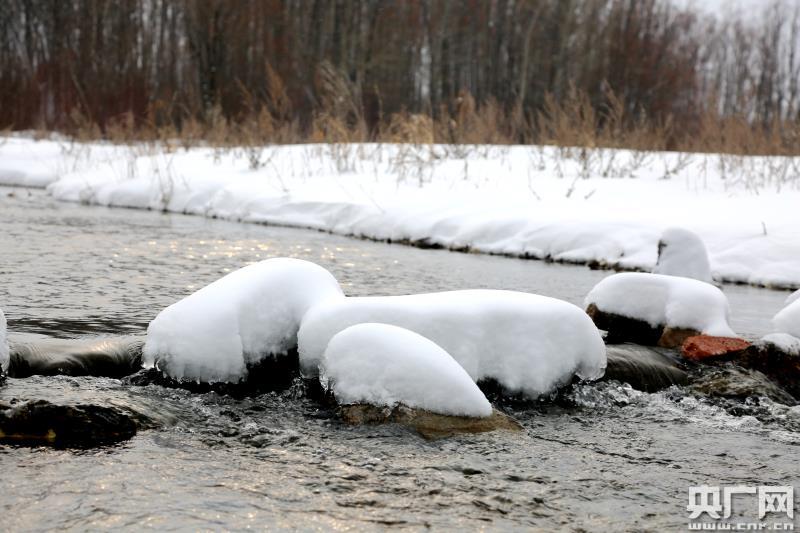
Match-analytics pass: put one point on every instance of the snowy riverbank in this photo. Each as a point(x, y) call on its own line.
point(571, 205)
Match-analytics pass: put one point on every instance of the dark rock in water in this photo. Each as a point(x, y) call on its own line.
point(730, 380)
point(778, 365)
point(41, 423)
point(625, 329)
point(642, 368)
point(705, 347)
point(272, 373)
point(108, 357)
point(429, 425)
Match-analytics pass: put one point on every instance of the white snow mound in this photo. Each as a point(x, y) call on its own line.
point(788, 319)
point(528, 343)
point(385, 365)
point(795, 296)
point(250, 314)
point(683, 253)
point(660, 300)
point(4, 357)
point(785, 342)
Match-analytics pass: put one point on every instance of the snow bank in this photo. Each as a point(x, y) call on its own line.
point(28, 164)
point(4, 357)
point(528, 201)
point(528, 343)
point(664, 301)
point(788, 319)
point(786, 343)
point(682, 253)
point(384, 365)
point(252, 313)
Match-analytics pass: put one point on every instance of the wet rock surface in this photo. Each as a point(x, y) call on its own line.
point(643, 368)
point(429, 425)
point(274, 373)
point(623, 329)
point(41, 423)
point(730, 380)
point(780, 366)
point(105, 357)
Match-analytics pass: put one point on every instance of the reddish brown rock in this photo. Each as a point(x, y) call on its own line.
point(430, 425)
point(705, 347)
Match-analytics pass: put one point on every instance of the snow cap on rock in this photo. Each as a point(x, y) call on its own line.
point(793, 297)
point(385, 365)
point(529, 344)
point(788, 344)
point(682, 253)
point(252, 313)
point(667, 301)
point(788, 319)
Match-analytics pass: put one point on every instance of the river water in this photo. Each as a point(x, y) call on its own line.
point(607, 459)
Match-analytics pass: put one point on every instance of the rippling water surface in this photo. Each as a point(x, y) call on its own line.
point(606, 458)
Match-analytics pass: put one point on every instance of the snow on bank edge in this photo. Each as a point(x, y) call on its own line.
point(482, 202)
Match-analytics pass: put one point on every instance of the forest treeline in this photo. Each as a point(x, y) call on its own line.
point(635, 73)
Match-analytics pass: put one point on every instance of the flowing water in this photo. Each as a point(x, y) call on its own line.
point(607, 458)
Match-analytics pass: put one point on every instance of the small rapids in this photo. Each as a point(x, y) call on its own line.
point(266, 458)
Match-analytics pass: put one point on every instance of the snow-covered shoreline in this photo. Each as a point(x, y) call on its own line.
point(572, 205)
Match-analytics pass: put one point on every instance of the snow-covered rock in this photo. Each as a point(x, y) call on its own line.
point(240, 319)
point(385, 365)
point(795, 296)
point(3, 342)
point(527, 343)
point(784, 342)
point(788, 319)
point(661, 302)
point(682, 253)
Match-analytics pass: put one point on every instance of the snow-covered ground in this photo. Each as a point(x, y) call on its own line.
point(574, 205)
point(384, 365)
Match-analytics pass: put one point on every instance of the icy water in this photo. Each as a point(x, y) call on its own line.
point(607, 459)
